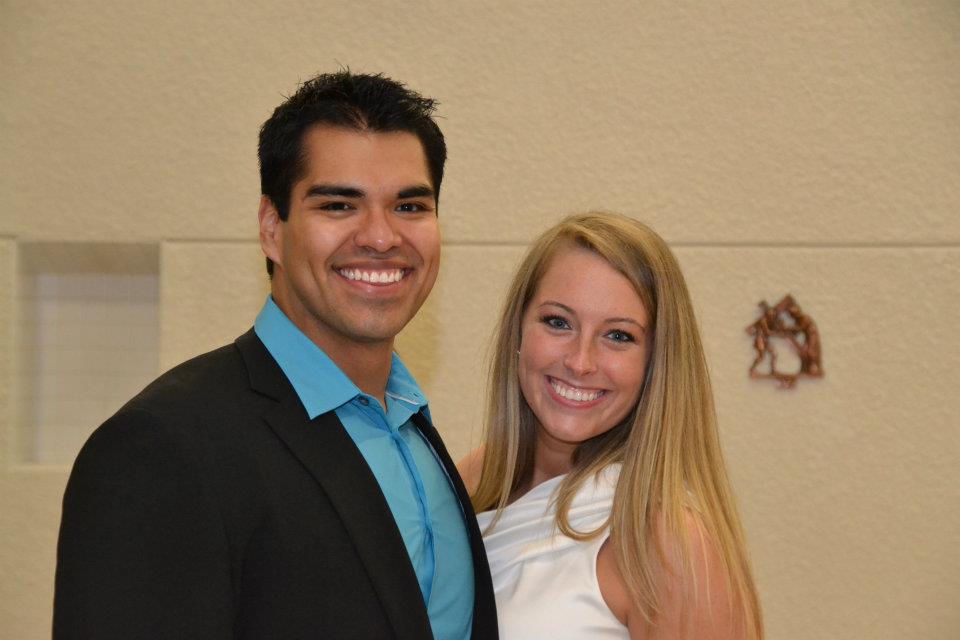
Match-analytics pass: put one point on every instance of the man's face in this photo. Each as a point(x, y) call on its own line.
point(360, 250)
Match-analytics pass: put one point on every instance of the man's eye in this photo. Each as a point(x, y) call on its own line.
point(336, 206)
point(620, 336)
point(555, 322)
point(411, 207)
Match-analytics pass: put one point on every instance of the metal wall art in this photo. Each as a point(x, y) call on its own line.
point(785, 320)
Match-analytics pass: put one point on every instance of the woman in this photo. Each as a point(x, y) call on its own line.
point(606, 508)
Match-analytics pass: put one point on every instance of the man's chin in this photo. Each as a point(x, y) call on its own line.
point(376, 330)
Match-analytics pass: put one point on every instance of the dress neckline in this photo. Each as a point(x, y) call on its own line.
point(547, 486)
point(541, 493)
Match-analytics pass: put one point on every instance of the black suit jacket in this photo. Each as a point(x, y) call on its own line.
point(211, 507)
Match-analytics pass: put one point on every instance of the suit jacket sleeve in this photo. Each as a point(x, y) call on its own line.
point(142, 551)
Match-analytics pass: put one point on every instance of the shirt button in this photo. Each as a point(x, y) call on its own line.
point(364, 401)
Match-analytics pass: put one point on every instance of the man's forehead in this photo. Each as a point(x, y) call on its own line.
point(349, 156)
point(321, 136)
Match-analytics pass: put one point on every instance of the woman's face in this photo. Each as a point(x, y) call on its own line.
point(583, 351)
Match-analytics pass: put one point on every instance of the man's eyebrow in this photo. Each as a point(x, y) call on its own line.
point(421, 191)
point(336, 190)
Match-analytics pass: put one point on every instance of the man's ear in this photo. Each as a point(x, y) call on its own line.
point(271, 229)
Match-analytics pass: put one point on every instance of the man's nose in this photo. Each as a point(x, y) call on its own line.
point(378, 230)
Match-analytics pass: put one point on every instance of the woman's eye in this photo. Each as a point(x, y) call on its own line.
point(555, 322)
point(620, 336)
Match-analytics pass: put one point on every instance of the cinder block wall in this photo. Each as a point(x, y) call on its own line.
point(811, 148)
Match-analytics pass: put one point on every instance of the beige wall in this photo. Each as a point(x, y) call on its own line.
point(803, 147)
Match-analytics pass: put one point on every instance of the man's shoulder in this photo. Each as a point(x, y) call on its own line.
point(203, 382)
point(208, 394)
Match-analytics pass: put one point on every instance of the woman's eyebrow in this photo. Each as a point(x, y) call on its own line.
point(554, 303)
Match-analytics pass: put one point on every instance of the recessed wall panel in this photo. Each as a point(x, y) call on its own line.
point(87, 340)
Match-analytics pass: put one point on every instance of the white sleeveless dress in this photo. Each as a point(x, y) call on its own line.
point(546, 583)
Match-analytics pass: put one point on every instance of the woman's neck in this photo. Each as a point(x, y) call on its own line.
point(551, 458)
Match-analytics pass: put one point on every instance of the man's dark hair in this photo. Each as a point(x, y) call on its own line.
point(355, 101)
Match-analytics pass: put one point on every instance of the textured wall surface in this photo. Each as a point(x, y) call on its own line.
point(812, 148)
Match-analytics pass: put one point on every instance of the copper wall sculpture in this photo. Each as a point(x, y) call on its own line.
point(785, 320)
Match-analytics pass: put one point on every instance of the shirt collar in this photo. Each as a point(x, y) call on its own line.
point(319, 382)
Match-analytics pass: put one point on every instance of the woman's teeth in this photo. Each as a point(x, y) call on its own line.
point(572, 393)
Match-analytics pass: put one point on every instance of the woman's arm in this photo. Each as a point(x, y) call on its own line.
point(694, 603)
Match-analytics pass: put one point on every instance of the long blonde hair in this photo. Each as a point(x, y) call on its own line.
point(668, 444)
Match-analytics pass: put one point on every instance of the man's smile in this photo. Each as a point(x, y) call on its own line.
point(374, 276)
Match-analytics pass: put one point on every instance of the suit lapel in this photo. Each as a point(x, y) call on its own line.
point(484, 604)
point(323, 447)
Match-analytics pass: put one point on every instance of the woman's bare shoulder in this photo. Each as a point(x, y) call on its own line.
point(470, 467)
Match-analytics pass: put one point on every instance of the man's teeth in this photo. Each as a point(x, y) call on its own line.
point(572, 393)
point(373, 277)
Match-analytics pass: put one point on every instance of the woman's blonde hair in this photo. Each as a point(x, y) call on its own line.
point(668, 444)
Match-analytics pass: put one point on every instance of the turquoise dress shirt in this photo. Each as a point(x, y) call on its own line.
point(417, 489)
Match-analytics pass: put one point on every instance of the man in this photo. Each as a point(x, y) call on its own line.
point(290, 485)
